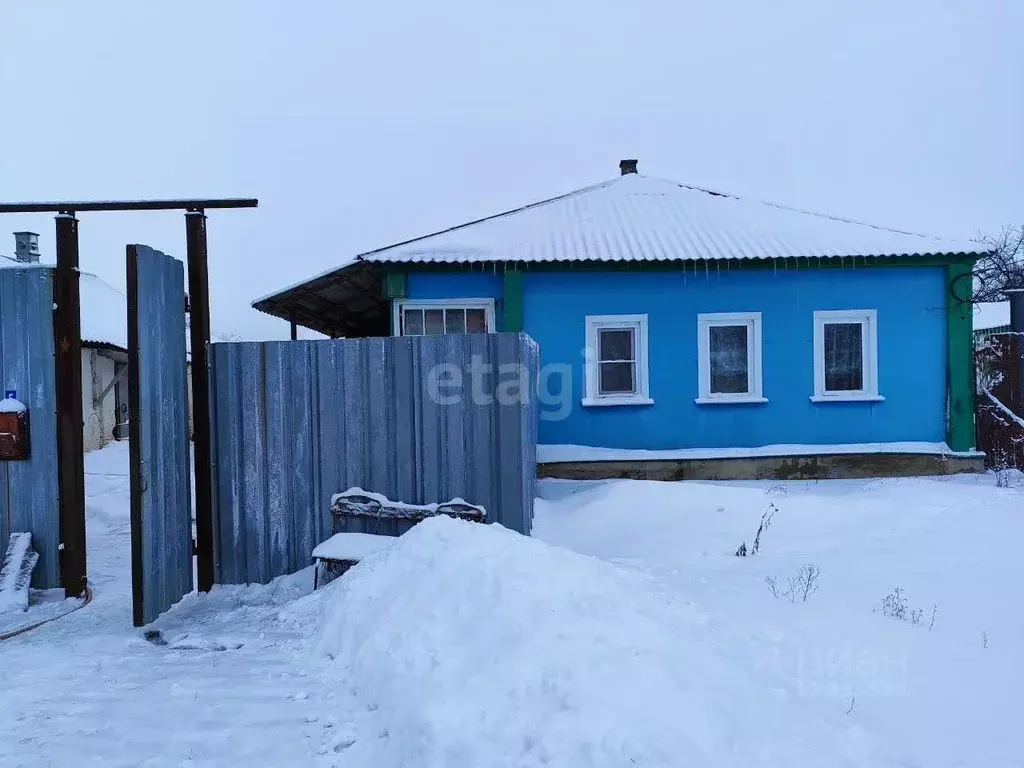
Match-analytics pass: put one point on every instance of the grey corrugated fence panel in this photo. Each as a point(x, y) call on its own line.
point(296, 422)
point(28, 489)
point(164, 496)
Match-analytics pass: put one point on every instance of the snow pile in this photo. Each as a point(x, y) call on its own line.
point(470, 645)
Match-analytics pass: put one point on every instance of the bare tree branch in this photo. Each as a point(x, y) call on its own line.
point(1003, 267)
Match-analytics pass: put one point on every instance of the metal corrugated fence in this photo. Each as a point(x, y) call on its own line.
point(296, 422)
point(28, 489)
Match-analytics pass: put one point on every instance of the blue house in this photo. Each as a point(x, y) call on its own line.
point(680, 323)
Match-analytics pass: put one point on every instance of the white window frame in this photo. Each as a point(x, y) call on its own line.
point(597, 323)
point(755, 380)
point(400, 305)
point(868, 319)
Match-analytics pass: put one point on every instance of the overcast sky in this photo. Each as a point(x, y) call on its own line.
point(360, 124)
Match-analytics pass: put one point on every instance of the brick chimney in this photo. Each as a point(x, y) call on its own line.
point(627, 166)
point(26, 247)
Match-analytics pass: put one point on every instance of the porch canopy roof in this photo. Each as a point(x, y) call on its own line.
point(344, 302)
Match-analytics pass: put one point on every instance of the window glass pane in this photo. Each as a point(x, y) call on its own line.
point(413, 322)
point(616, 379)
point(455, 321)
point(615, 344)
point(728, 353)
point(476, 321)
point(433, 321)
point(844, 357)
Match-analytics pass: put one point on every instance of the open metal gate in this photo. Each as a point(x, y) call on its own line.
point(161, 507)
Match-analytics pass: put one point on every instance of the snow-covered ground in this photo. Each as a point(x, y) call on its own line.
point(627, 633)
point(939, 697)
point(88, 690)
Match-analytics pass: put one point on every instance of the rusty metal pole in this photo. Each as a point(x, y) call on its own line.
point(199, 328)
point(67, 329)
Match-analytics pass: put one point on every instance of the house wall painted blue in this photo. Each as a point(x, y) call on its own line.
point(912, 359)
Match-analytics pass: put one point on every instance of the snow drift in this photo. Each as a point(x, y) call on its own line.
point(469, 645)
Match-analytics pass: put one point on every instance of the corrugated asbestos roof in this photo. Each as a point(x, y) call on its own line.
point(631, 218)
point(640, 218)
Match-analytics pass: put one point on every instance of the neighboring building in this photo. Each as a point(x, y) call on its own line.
point(104, 350)
point(104, 362)
point(713, 324)
point(990, 317)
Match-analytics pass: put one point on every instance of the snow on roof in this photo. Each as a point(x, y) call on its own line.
point(104, 307)
point(991, 314)
point(104, 312)
point(641, 218)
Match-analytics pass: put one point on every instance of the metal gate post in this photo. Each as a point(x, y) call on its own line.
point(199, 330)
point(67, 328)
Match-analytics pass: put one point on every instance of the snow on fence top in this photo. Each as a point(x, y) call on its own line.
point(401, 506)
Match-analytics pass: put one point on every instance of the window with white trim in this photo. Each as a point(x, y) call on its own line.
point(616, 360)
point(729, 364)
point(846, 355)
point(430, 317)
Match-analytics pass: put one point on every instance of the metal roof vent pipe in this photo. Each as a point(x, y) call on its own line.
point(26, 247)
point(627, 166)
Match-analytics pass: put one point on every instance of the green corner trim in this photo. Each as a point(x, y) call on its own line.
point(394, 285)
point(512, 319)
point(959, 358)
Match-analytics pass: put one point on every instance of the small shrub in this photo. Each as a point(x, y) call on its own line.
point(799, 588)
point(766, 521)
point(764, 525)
point(895, 606)
point(1008, 476)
